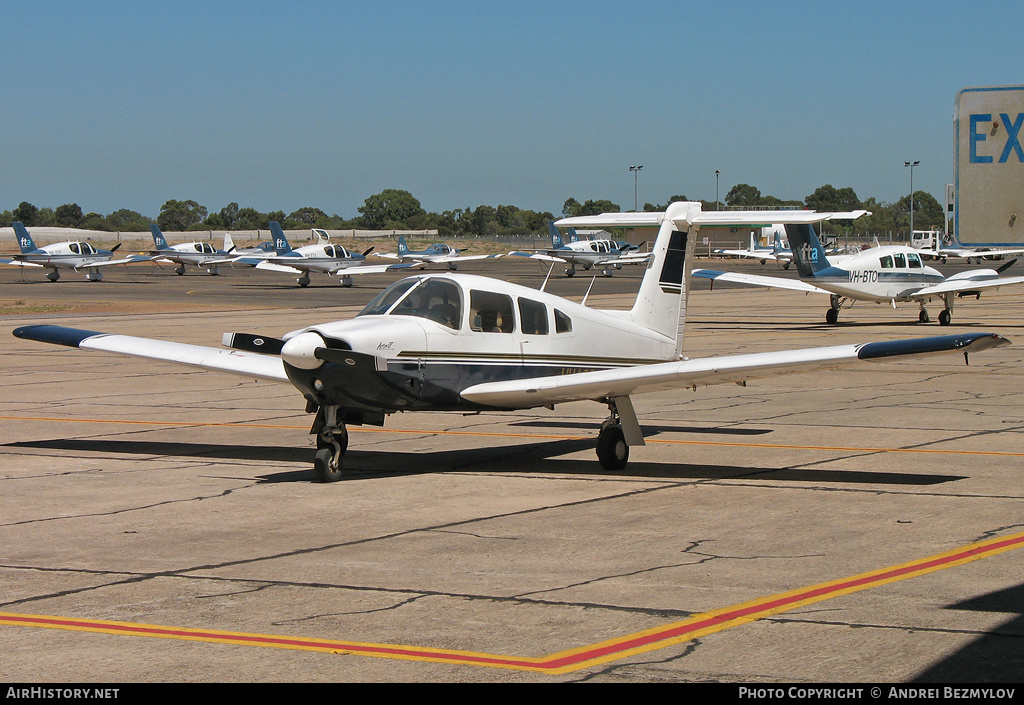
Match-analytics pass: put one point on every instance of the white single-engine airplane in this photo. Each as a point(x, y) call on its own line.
point(195, 254)
point(73, 254)
point(438, 253)
point(461, 342)
point(321, 257)
point(604, 254)
point(887, 274)
point(778, 252)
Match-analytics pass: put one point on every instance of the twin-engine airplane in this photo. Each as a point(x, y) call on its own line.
point(73, 254)
point(460, 342)
point(888, 274)
point(321, 258)
point(194, 254)
point(604, 254)
point(438, 253)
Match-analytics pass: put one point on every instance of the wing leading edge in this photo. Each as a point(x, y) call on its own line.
point(250, 365)
point(622, 382)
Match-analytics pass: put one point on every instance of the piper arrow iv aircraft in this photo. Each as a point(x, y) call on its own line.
point(438, 253)
point(72, 254)
point(461, 342)
point(604, 254)
point(321, 257)
point(888, 274)
point(196, 254)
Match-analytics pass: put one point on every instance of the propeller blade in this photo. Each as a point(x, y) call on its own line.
point(114, 248)
point(253, 343)
point(348, 358)
point(368, 252)
point(1006, 266)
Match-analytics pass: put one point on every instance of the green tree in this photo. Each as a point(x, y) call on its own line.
point(69, 215)
point(744, 196)
point(26, 213)
point(127, 220)
point(180, 215)
point(229, 215)
point(387, 208)
point(928, 214)
point(307, 215)
point(571, 208)
point(828, 198)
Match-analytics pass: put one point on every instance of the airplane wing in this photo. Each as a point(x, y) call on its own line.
point(757, 280)
point(18, 262)
point(345, 268)
point(961, 285)
point(751, 254)
point(247, 364)
point(727, 369)
point(131, 259)
point(700, 217)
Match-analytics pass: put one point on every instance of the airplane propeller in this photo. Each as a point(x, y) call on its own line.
point(1006, 266)
point(368, 252)
point(114, 248)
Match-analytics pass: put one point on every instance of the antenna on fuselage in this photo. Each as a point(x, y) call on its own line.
point(584, 302)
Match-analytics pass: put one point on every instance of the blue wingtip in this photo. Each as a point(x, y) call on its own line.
point(56, 335)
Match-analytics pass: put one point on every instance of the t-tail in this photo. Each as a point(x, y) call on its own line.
point(24, 239)
point(281, 246)
point(807, 251)
point(556, 237)
point(158, 237)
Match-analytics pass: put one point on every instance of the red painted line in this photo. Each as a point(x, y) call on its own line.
point(567, 660)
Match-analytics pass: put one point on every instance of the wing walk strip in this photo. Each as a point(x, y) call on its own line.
point(494, 434)
point(565, 661)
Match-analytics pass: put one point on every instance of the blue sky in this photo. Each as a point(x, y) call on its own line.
point(279, 105)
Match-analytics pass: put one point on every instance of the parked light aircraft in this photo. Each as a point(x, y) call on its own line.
point(438, 253)
point(461, 342)
point(321, 257)
point(73, 254)
point(604, 254)
point(265, 248)
point(196, 254)
point(929, 244)
point(778, 252)
point(887, 274)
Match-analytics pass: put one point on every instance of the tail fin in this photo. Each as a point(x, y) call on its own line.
point(281, 245)
point(24, 239)
point(661, 302)
point(556, 237)
point(403, 249)
point(158, 237)
point(229, 244)
point(808, 253)
point(573, 237)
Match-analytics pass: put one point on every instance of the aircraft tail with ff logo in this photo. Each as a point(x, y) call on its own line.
point(808, 254)
point(24, 239)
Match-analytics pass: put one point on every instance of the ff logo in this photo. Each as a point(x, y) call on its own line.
point(1012, 137)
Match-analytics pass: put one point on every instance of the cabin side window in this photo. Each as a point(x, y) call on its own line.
point(387, 298)
point(563, 324)
point(914, 260)
point(886, 262)
point(533, 317)
point(490, 312)
point(901, 260)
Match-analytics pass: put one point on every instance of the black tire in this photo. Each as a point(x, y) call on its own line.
point(945, 317)
point(325, 468)
point(832, 316)
point(612, 450)
point(922, 317)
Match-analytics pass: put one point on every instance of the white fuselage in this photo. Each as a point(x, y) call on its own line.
point(890, 273)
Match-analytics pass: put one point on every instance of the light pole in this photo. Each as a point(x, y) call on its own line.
point(911, 165)
point(636, 172)
point(717, 172)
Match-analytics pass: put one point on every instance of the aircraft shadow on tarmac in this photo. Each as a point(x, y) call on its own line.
point(994, 657)
point(534, 458)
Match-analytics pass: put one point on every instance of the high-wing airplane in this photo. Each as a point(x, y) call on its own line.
point(438, 253)
point(888, 274)
point(73, 254)
point(195, 254)
point(604, 254)
point(321, 257)
point(461, 342)
point(929, 244)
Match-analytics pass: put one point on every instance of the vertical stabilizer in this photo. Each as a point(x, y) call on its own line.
point(661, 302)
point(403, 248)
point(807, 251)
point(24, 239)
point(158, 237)
point(556, 237)
point(281, 246)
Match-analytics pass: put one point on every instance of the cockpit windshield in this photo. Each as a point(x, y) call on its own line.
point(435, 299)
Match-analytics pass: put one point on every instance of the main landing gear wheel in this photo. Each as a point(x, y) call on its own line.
point(570, 272)
point(832, 316)
point(945, 317)
point(179, 270)
point(612, 450)
point(303, 280)
point(53, 276)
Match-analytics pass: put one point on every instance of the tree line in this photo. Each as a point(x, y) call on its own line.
point(395, 209)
